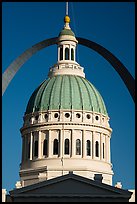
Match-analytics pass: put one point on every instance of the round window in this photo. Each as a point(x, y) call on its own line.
point(36, 117)
point(46, 116)
point(78, 115)
point(67, 115)
point(56, 115)
point(88, 116)
point(97, 117)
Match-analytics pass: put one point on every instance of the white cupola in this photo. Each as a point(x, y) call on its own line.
point(66, 62)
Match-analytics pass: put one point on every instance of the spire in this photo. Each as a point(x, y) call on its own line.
point(67, 43)
point(66, 18)
point(66, 8)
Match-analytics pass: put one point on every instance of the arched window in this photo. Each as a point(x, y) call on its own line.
point(72, 54)
point(78, 147)
point(61, 53)
point(55, 147)
point(66, 54)
point(97, 149)
point(66, 146)
point(23, 148)
point(45, 147)
point(28, 150)
point(36, 148)
point(88, 148)
point(103, 151)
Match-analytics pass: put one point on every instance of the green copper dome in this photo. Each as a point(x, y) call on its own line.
point(66, 92)
point(66, 32)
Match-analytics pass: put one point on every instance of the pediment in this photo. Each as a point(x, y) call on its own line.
point(70, 185)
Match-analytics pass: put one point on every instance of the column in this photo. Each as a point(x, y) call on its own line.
point(58, 53)
point(74, 53)
point(39, 145)
point(83, 144)
point(101, 147)
point(93, 145)
point(106, 149)
point(50, 144)
point(72, 144)
point(61, 152)
point(69, 52)
point(63, 52)
point(31, 144)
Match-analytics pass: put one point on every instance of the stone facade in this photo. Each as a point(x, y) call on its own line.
point(87, 162)
point(56, 141)
point(70, 188)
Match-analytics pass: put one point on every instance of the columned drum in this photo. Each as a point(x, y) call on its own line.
point(66, 124)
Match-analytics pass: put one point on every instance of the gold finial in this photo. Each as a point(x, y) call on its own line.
point(66, 19)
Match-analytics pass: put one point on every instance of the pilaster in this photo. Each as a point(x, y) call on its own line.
point(31, 144)
point(93, 145)
point(83, 144)
point(50, 145)
point(61, 152)
point(72, 144)
point(39, 146)
point(101, 147)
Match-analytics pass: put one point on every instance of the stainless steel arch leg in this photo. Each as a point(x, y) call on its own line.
point(115, 62)
point(18, 62)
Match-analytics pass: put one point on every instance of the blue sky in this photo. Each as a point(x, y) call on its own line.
point(110, 24)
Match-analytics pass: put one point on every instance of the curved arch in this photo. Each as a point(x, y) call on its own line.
point(12, 69)
point(115, 62)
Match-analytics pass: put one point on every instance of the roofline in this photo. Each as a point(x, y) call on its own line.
point(124, 192)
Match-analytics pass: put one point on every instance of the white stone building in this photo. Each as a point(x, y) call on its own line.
point(66, 125)
point(66, 137)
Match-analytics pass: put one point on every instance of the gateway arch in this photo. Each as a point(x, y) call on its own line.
point(114, 61)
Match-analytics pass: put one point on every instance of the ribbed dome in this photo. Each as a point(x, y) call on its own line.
point(66, 32)
point(66, 92)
